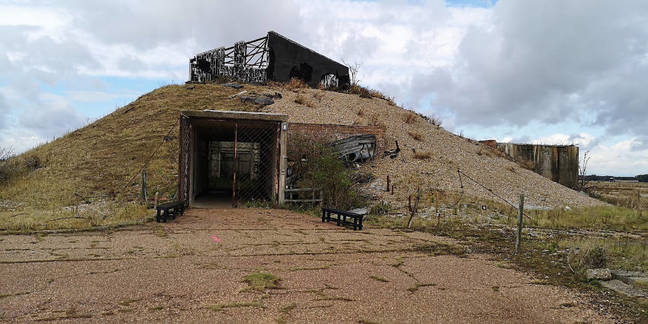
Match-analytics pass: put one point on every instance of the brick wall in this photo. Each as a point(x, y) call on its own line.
point(332, 132)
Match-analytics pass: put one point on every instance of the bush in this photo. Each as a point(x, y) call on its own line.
point(7, 165)
point(319, 167)
point(295, 83)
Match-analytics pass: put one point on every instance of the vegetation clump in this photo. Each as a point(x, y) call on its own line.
point(260, 281)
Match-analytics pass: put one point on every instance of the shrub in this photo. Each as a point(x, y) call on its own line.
point(319, 167)
point(303, 101)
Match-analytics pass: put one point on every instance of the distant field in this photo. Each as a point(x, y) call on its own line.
point(626, 194)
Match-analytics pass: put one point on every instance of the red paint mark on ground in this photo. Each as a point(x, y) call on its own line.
point(215, 238)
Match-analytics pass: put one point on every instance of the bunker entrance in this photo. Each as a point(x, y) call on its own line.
point(231, 158)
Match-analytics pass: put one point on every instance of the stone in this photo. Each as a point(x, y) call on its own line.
point(631, 277)
point(233, 85)
point(263, 100)
point(623, 288)
point(598, 274)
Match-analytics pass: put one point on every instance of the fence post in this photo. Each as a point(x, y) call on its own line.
point(518, 237)
point(144, 185)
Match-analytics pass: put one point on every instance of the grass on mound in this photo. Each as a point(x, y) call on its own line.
point(110, 214)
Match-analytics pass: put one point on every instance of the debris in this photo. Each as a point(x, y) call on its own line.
point(233, 85)
point(598, 274)
point(393, 153)
point(356, 148)
point(238, 94)
point(191, 87)
point(215, 238)
point(631, 277)
point(623, 288)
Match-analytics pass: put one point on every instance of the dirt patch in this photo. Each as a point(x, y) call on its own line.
point(202, 269)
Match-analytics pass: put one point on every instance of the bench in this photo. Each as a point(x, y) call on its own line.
point(342, 217)
point(169, 210)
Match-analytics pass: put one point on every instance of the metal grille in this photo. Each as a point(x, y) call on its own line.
point(245, 61)
point(256, 161)
point(185, 144)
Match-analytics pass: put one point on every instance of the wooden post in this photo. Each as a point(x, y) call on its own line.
point(414, 208)
point(144, 196)
point(518, 237)
point(387, 184)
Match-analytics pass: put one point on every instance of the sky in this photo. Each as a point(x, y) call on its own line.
point(523, 71)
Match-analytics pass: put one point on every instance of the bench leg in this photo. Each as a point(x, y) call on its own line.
point(173, 212)
point(328, 216)
point(157, 216)
point(339, 218)
point(165, 215)
point(355, 223)
point(361, 222)
point(323, 216)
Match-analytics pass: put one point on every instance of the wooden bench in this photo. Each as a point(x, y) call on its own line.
point(169, 210)
point(342, 217)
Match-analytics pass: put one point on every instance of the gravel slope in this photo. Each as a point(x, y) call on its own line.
point(448, 152)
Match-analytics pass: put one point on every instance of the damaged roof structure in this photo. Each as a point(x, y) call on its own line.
point(269, 58)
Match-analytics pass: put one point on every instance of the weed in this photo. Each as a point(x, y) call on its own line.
point(221, 307)
point(419, 285)
point(377, 278)
point(156, 308)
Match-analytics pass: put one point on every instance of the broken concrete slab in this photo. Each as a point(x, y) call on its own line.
point(598, 274)
point(632, 277)
point(623, 288)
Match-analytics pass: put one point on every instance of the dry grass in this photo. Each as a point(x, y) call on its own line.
point(409, 118)
point(416, 136)
point(422, 155)
point(100, 159)
point(302, 100)
point(261, 281)
point(294, 84)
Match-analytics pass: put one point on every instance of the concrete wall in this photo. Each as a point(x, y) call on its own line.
point(556, 162)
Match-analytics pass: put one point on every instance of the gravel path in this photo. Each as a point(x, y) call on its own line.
point(448, 152)
point(191, 270)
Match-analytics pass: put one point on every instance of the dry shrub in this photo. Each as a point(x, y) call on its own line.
point(360, 90)
point(587, 258)
point(422, 155)
point(409, 118)
point(295, 83)
point(416, 136)
point(303, 101)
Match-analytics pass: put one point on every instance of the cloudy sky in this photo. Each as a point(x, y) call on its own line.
point(551, 71)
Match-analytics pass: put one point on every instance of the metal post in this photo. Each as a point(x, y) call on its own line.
point(235, 165)
point(518, 237)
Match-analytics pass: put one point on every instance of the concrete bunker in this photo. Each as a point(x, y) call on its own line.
point(231, 157)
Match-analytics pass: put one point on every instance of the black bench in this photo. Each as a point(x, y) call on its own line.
point(342, 217)
point(169, 210)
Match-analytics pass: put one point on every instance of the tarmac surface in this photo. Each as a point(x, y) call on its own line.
point(192, 270)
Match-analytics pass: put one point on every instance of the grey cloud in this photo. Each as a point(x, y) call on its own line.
point(549, 61)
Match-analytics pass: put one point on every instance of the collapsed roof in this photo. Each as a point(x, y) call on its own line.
point(273, 57)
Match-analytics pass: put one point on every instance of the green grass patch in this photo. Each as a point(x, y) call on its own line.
point(261, 281)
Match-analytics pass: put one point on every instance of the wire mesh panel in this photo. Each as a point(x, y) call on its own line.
point(256, 161)
point(183, 165)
